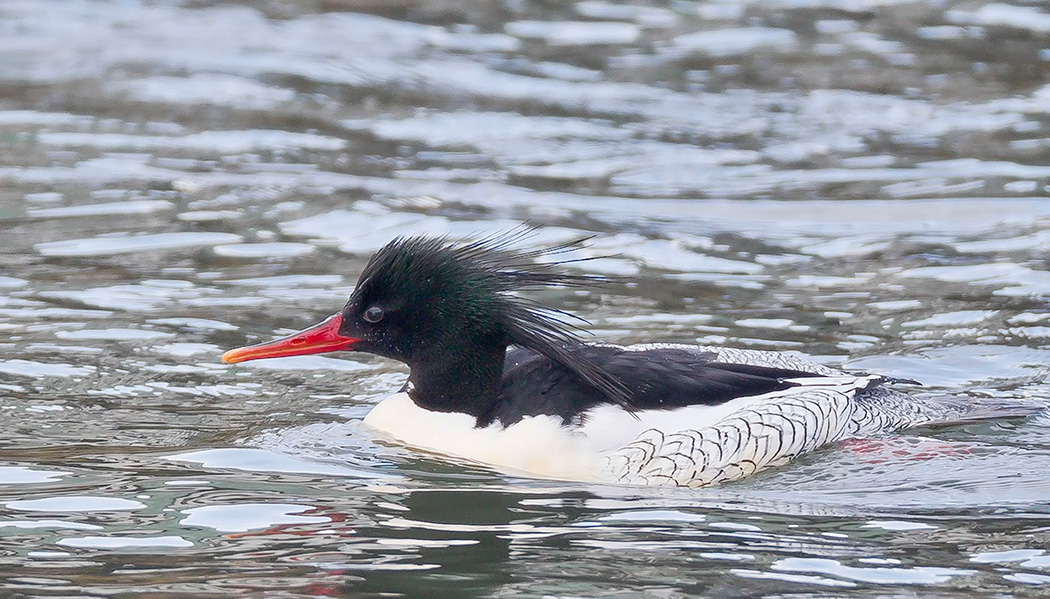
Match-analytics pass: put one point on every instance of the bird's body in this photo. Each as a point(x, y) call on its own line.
point(671, 440)
point(503, 381)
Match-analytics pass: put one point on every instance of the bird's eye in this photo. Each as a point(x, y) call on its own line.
point(373, 314)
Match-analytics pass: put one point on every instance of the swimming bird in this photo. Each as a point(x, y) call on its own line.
point(505, 381)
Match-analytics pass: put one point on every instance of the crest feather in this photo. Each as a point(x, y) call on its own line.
point(491, 271)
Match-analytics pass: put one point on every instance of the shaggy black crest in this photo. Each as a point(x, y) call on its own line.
point(470, 288)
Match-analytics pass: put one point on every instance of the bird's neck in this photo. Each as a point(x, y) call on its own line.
point(465, 380)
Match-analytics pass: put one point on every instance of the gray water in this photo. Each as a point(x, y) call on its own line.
point(861, 181)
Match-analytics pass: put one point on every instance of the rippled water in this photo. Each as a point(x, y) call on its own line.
point(862, 181)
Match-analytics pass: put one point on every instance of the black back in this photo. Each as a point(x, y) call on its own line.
point(658, 379)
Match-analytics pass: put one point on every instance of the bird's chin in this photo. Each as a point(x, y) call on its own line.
point(321, 338)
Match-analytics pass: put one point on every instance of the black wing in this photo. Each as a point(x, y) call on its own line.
point(658, 379)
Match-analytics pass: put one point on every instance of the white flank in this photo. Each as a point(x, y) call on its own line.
point(765, 433)
point(611, 427)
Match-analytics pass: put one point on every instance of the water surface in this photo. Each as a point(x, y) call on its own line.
point(860, 181)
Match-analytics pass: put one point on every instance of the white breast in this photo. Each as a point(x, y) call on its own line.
point(538, 446)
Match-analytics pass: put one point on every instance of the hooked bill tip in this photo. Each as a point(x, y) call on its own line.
point(231, 357)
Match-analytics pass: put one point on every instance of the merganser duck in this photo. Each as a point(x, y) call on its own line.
point(504, 381)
